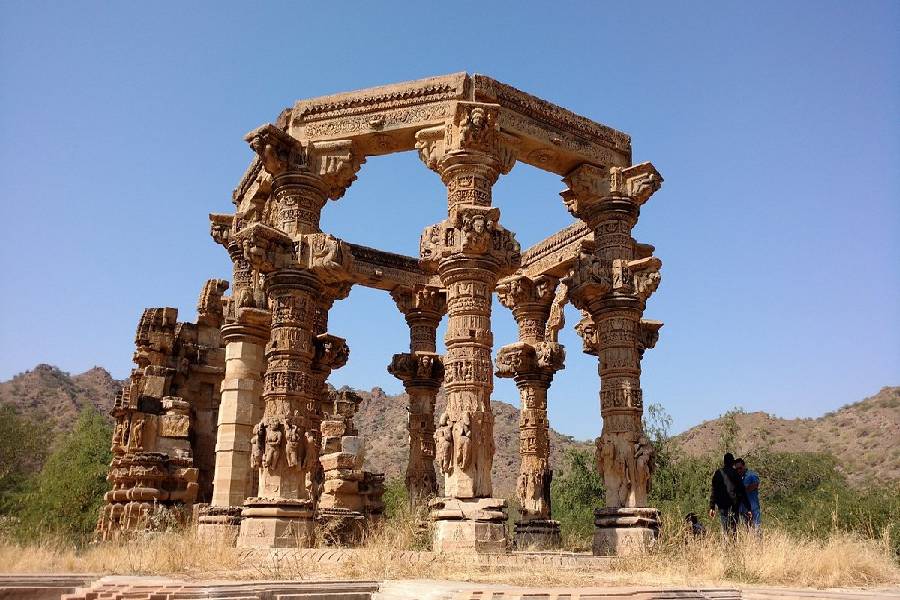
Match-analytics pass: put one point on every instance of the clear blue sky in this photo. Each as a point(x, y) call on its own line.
point(775, 125)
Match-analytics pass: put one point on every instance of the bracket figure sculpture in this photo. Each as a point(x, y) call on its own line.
point(277, 464)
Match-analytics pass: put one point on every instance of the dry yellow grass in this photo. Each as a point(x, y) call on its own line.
point(775, 558)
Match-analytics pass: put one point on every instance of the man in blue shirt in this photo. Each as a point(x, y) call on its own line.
point(751, 484)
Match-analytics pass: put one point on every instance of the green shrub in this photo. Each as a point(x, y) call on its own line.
point(64, 498)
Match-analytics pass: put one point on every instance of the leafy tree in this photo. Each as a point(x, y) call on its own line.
point(23, 448)
point(64, 498)
point(576, 490)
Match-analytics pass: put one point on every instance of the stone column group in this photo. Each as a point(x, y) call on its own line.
point(287, 275)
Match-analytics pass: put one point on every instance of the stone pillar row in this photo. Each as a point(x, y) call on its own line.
point(288, 273)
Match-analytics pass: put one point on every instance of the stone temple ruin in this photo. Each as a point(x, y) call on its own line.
point(283, 452)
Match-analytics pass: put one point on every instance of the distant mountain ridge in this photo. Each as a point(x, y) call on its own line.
point(48, 392)
point(862, 436)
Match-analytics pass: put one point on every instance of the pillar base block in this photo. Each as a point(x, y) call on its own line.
point(277, 523)
point(537, 534)
point(341, 526)
point(469, 524)
point(624, 531)
point(219, 524)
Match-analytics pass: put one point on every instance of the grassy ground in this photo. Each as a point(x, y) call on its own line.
point(775, 558)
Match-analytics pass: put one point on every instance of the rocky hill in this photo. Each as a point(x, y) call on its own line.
point(49, 393)
point(863, 436)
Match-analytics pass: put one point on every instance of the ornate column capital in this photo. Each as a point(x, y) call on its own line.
point(472, 135)
point(527, 360)
point(648, 335)
point(471, 232)
point(331, 352)
point(518, 291)
point(592, 190)
point(278, 151)
point(421, 301)
point(595, 283)
point(587, 329)
point(265, 248)
point(334, 162)
point(418, 368)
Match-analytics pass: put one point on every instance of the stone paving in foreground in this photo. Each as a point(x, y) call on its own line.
point(93, 587)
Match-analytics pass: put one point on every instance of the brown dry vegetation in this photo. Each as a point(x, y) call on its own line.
point(775, 558)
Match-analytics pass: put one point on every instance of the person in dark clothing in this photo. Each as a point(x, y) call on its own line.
point(727, 495)
point(693, 523)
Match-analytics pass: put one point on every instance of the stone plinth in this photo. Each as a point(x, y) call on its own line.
point(277, 523)
point(469, 524)
point(537, 534)
point(220, 523)
point(623, 531)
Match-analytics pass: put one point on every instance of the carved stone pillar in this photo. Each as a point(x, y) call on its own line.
point(245, 333)
point(612, 285)
point(421, 371)
point(470, 251)
point(301, 268)
point(532, 361)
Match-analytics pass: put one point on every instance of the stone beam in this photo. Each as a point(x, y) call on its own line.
point(552, 138)
point(386, 270)
point(385, 119)
point(555, 255)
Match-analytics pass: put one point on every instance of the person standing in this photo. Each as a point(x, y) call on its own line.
point(726, 495)
point(751, 485)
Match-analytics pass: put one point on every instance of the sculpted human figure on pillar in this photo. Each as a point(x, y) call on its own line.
point(469, 251)
point(532, 361)
point(421, 370)
point(611, 286)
